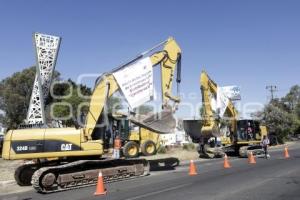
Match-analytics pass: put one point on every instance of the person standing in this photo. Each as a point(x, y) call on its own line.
point(249, 132)
point(265, 142)
point(117, 147)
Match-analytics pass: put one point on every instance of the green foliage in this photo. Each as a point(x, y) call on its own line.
point(292, 99)
point(144, 109)
point(297, 110)
point(282, 116)
point(188, 147)
point(279, 121)
point(76, 96)
point(15, 93)
point(1, 119)
point(114, 103)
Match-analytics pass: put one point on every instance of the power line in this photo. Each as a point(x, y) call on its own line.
point(272, 89)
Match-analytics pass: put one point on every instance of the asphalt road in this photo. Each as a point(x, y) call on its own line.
point(272, 179)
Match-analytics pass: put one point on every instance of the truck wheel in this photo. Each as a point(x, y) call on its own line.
point(148, 148)
point(131, 149)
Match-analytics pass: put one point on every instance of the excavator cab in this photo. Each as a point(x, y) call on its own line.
point(120, 127)
point(135, 139)
point(248, 130)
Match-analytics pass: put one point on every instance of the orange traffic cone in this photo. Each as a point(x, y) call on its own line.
point(226, 162)
point(251, 158)
point(193, 170)
point(286, 153)
point(100, 189)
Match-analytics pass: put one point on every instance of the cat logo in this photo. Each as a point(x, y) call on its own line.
point(66, 147)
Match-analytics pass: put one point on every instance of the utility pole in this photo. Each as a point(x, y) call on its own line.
point(272, 89)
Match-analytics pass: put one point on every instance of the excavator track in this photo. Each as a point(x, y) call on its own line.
point(84, 173)
point(255, 149)
point(211, 152)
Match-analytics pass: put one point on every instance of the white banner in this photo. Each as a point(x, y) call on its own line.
point(232, 92)
point(224, 94)
point(136, 82)
point(222, 101)
point(214, 105)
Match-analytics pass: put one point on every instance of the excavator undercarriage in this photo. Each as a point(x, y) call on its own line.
point(51, 177)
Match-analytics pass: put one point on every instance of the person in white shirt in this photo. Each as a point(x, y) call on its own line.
point(264, 143)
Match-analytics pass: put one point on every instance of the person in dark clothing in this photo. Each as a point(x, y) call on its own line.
point(107, 137)
point(249, 132)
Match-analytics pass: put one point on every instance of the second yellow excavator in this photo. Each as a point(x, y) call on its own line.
point(67, 158)
point(243, 136)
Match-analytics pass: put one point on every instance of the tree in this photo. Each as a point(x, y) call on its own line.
point(1, 119)
point(114, 103)
point(297, 110)
point(292, 98)
point(144, 109)
point(282, 116)
point(279, 122)
point(15, 93)
point(73, 100)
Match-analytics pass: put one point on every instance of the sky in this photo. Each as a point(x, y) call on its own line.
point(250, 44)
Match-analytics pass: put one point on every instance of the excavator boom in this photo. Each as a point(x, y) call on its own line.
point(210, 126)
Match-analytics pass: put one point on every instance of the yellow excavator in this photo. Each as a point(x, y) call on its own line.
point(68, 158)
point(242, 137)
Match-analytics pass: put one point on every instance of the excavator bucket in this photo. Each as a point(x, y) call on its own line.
point(196, 129)
point(162, 122)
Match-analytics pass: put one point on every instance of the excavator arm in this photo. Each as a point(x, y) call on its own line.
point(106, 86)
point(210, 126)
point(209, 91)
point(232, 114)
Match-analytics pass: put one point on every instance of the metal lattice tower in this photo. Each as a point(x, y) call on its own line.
point(46, 48)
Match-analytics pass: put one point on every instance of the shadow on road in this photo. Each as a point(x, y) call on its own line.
point(164, 164)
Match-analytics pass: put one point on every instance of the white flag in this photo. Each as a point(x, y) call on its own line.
point(222, 101)
point(232, 92)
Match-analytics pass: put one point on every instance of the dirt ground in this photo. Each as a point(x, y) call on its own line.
point(7, 169)
point(178, 153)
point(7, 182)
